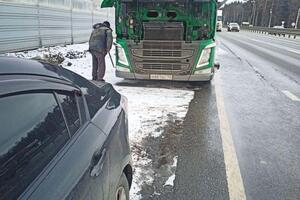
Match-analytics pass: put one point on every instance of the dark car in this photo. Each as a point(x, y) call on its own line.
point(62, 137)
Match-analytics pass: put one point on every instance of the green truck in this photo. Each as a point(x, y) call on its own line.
point(165, 39)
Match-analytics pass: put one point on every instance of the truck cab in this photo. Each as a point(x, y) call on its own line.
point(165, 39)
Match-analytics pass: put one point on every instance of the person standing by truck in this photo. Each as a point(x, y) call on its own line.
point(100, 44)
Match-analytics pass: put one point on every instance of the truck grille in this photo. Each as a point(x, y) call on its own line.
point(160, 67)
point(158, 53)
point(163, 30)
point(163, 57)
point(162, 45)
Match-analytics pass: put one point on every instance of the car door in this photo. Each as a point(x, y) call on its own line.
point(93, 183)
point(48, 146)
point(79, 170)
point(33, 132)
point(104, 105)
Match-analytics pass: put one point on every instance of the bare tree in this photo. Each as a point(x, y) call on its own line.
point(263, 12)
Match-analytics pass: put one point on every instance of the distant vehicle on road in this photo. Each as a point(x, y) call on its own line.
point(246, 24)
point(233, 27)
point(62, 137)
point(219, 20)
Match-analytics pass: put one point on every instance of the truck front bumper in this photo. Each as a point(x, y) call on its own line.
point(193, 77)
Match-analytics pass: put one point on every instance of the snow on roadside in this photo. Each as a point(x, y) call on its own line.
point(77, 55)
point(175, 161)
point(171, 179)
point(148, 108)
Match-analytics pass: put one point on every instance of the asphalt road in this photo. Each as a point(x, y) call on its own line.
point(265, 122)
point(260, 81)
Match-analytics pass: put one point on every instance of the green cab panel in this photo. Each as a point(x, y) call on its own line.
point(110, 3)
point(107, 3)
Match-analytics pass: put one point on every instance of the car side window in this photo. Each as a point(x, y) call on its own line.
point(95, 96)
point(82, 110)
point(95, 99)
point(70, 109)
point(32, 132)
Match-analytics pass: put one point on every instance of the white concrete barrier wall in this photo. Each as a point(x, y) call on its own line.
point(25, 26)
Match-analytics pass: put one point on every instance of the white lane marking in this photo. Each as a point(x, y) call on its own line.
point(233, 173)
point(290, 95)
point(278, 46)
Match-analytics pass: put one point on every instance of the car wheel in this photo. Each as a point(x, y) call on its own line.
point(122, 191)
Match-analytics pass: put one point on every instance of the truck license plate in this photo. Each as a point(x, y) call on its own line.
point(160, 76)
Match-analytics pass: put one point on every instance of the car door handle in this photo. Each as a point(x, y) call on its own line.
point(97, 162)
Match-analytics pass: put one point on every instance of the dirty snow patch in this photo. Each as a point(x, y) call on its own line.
point(175, 161)
point(171, 179)
point(149, 111)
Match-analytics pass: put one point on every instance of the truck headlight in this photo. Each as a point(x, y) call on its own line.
point(204, 71)
point(205, 55)
point(121, 55)
point(122, 69)
point(204, 58)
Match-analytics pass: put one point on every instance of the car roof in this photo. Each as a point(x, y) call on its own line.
point(20, 66)
point(37, 72)
point(20, 84)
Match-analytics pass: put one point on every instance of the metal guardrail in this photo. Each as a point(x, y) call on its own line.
point(285, 32)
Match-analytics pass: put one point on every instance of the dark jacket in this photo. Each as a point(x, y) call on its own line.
point(101, 38)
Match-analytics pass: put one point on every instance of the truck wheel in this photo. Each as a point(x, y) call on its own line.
point(122, 191)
